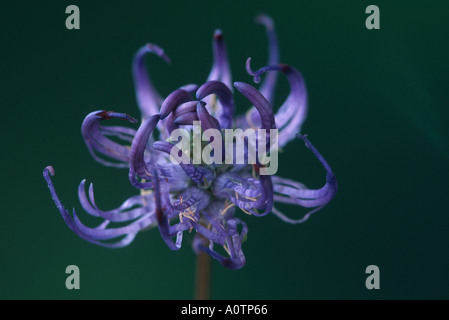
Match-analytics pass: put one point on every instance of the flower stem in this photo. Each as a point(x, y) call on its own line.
point(202, 285)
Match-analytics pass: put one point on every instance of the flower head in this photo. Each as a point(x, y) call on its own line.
point(180, 197)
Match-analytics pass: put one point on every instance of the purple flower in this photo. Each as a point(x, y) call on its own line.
point(186, 196)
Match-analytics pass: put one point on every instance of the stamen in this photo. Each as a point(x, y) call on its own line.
point(246, 197)
point(226, 249)
point(250, 198)
point(189, 213)
point(227, 208)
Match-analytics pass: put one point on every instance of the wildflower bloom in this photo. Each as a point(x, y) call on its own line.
point(186, 196)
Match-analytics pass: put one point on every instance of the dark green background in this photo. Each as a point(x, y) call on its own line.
point(378, 113)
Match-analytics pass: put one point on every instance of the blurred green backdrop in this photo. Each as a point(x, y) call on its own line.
point(378, 113)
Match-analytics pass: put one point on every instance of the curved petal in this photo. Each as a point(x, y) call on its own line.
point(293, 111)
point(148, 98)
point(288, 191)
point(161, 216)
point(95, 137)
point(186, 119)
point(74, 223)
point(224, 95)
point(220, 72)
point(112, 233)
point(184, 108)
point(265, 113)
point(207, 121)
point(269, 84)
point(173, 100)
point(178, 111)
point(137, 165)
point(131, 209)
point(220, 67)
point(259, 101)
